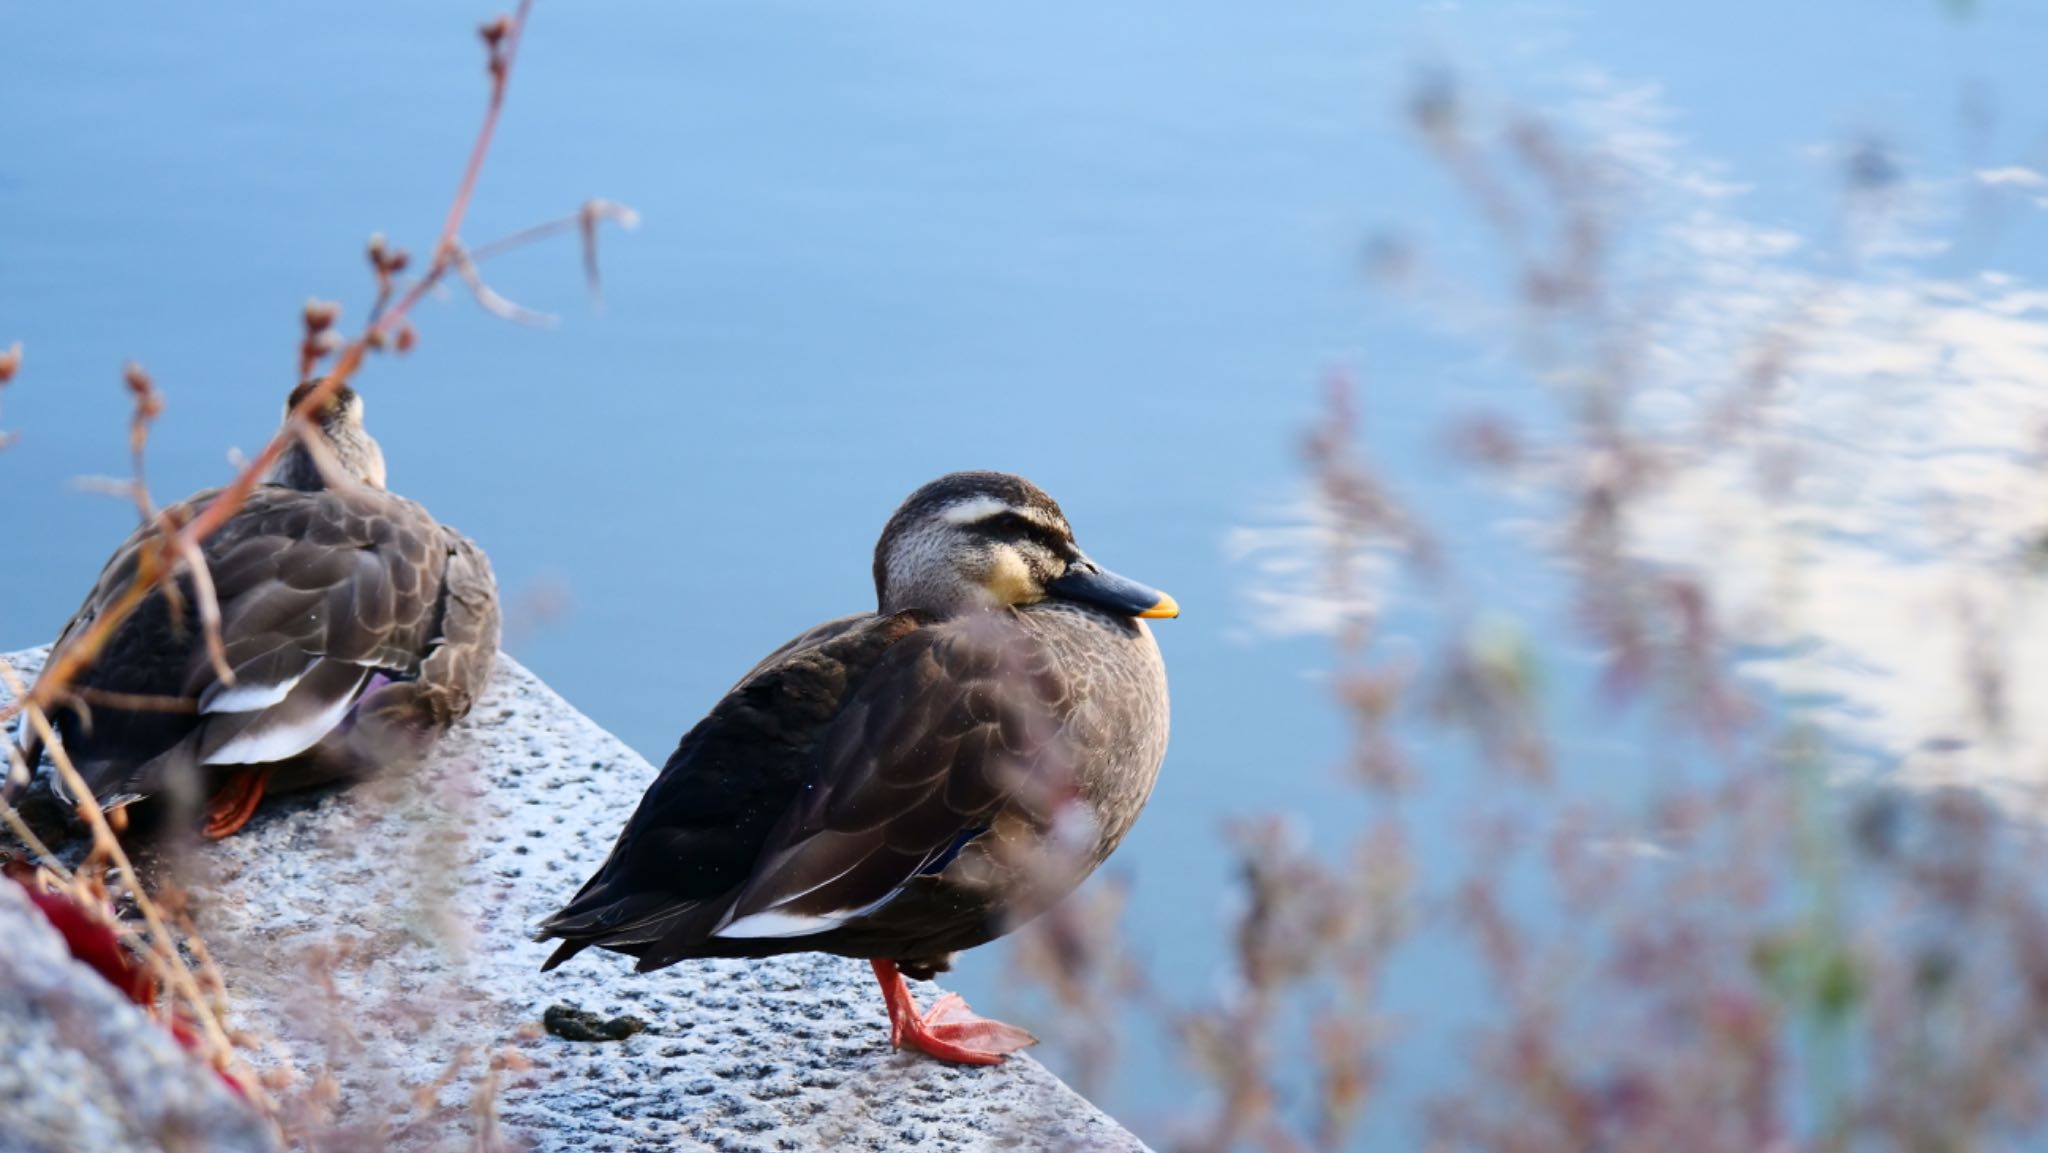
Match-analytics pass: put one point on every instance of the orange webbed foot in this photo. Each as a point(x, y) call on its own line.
point(949, 1030)
point(235, 803)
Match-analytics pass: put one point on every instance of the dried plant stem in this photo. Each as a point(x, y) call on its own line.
point(585, 221)
point(488, 297)
point(175, 545)
point(208, 604)
point(215, 984)
point(12, 819)
point(159, 944)
point(134, 702)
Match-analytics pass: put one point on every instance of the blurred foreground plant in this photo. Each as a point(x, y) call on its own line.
point(164, 954)
point(1740, 949)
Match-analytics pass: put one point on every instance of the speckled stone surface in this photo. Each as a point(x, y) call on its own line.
point(375, 941)
point(85, 1071)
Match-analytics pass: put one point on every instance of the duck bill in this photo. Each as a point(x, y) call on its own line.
point(1090, 583)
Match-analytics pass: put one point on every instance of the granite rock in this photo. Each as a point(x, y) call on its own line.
point(86, 1070)
point(375, 942)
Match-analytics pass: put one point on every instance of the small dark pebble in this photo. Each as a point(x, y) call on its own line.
point(571, 1024)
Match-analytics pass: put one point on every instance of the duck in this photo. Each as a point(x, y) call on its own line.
point(901, 785)
point(356, 628)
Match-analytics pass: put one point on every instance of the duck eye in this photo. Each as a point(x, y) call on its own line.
point(1018, 527)
point(1009, 524)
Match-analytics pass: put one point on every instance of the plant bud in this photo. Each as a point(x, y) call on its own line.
point(321, 315)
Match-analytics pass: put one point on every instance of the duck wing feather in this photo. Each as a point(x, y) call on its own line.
point(960, 731)
point(459, 655)
point(823, 785)
point(702, 823)
point(317, 590)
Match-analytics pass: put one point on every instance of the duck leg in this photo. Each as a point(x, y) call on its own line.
point(235, 803)
point(949, 1030)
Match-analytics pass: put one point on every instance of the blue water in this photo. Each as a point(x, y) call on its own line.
point(1114, 250)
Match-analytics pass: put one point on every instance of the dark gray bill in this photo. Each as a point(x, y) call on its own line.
point(1090, 583)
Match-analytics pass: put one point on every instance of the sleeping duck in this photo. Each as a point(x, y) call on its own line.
point(904, 784)
point(357, 629)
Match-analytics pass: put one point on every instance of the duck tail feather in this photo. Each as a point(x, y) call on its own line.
point(567, 950)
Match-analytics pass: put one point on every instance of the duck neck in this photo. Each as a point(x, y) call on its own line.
point(350, 452)
point(935, 597)
point(296, 468)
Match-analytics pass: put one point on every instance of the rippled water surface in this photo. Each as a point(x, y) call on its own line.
point(1117, 250)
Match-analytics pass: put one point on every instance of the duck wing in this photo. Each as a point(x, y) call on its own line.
point(702, 823)
point(960, 731)
point(460, 652)
point(317, 590)
point(824, 785)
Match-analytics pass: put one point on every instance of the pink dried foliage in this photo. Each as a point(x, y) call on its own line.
point(1733, 955)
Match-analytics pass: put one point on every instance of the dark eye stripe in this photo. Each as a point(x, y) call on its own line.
point(1016, 524)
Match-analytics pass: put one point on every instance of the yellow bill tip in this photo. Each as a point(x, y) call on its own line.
point(1166, 609)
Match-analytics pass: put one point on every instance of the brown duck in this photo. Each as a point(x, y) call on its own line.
point(357, 629)
point(904, 784)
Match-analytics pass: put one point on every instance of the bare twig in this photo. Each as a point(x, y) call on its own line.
point(585, 221)
point(134, 702)
point(489, 298)
point(158, 563)
point(148, 406)
point(165, 942)
point(10, 363)
point(158, 945)
point(209, 608)
point(320, 339)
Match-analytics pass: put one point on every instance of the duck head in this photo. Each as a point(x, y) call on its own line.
point(981, 540)
point(339, 426)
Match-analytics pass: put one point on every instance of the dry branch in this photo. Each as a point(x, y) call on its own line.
point(176, 546)
point(198, 998)
point(10, 363)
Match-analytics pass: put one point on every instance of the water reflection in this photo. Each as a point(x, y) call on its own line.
point(1288, 560)
point(1871, 521)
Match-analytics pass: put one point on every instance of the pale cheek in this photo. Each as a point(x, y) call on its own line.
point(1009, 582)
point(912, 559)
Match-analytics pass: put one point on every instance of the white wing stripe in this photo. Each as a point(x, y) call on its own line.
point(247, 697)
point(265, 744)
point(776, 923)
